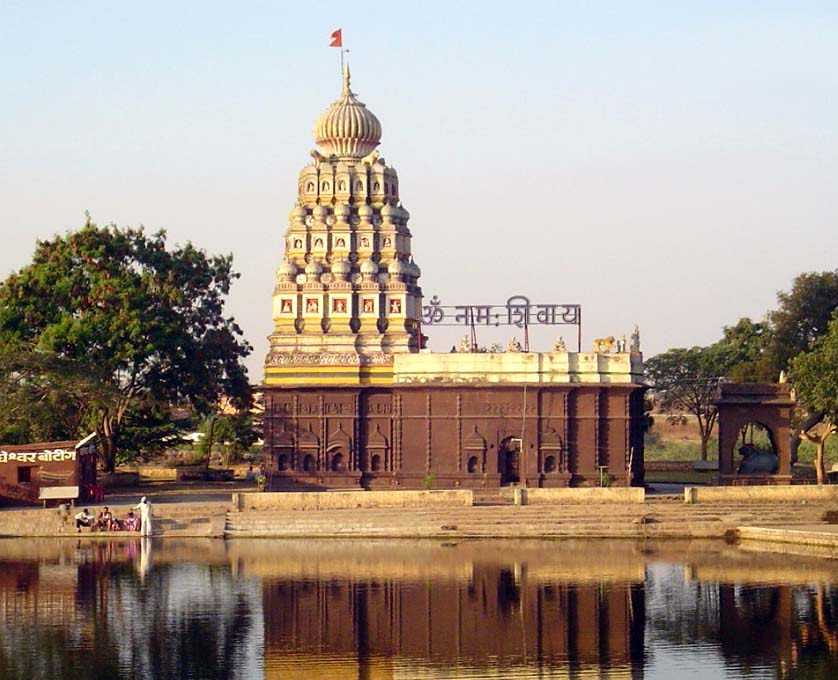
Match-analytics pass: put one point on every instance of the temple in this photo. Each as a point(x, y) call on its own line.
point(354, 400)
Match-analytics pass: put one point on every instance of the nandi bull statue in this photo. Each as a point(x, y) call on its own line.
point(757, 462)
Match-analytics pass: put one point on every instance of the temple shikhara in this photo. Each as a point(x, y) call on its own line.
point(354, 400)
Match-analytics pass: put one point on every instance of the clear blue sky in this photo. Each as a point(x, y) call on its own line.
point(670, 164)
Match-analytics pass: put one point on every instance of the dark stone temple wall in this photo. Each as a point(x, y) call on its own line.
point(444, 436)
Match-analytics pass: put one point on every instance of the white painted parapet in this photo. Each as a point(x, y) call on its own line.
point(519, 367)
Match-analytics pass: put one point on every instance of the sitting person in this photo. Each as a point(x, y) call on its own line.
point(104, 520)
point(131, 522)
point(84, 519)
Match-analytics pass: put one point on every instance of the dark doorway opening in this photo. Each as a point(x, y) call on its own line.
point(509, 458)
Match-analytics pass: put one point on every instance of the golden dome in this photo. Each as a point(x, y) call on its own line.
point(348, 127)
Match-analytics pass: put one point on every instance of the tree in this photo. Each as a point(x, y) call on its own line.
point(746, 351)
point(236, 432)
point(802, 316)
point(150, 427)
point(144, 325)
point(41, 398)
point(815, 376)
point(687, 380)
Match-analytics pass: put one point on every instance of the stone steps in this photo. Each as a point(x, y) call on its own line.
point(665, 519)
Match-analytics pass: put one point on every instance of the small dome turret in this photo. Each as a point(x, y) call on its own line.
point(341, 268)
point(348, 129)
point(313, 270)
point(369, 267)
point(398, 268)
point(287, 269)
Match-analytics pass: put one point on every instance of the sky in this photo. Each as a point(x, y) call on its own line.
point(671, 165)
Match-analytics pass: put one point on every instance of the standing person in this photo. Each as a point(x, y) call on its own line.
point(145, 516)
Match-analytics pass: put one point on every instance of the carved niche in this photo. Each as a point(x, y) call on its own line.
point(474, 452)
point(552, 451)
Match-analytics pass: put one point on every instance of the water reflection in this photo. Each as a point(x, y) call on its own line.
point(368, 610)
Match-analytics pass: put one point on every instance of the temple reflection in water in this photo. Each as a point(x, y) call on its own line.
point(499, 618)
point(307, 609)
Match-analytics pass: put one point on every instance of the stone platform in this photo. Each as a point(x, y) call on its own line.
point(821, 536)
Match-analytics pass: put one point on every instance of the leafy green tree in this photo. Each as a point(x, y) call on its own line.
point(235, 433)
point(149, 428)
point(41, 398)
point(815, 376)
point(802, 316)
point(141, 323)
point(746, 351)
point(686, 379)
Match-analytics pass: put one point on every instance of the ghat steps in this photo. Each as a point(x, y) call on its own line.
point(659, 517)
point(666, 517)
point(204, 520)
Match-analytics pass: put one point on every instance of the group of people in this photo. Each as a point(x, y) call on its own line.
point(107, 521)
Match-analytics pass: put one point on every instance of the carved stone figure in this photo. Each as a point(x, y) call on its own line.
point(621, 344)
point(514, 346)
point(371, 157)
point(604, 345)
point(465, 344)
point(559, 345)
point(757, 462)
point(635, 339)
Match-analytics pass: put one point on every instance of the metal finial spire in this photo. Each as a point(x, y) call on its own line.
point(346, 78)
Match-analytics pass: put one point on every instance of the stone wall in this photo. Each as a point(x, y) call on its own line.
point(339, 500)
point(453, 435)
point(521, 496)
point(739, 494)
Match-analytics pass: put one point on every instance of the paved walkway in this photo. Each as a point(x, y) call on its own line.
point(178, 492)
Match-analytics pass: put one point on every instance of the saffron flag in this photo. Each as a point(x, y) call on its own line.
point(337, 38)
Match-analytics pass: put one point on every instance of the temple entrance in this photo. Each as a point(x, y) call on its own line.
point(509, 460)
point(756, 447)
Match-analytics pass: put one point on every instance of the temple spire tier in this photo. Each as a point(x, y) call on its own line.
point(347, 291)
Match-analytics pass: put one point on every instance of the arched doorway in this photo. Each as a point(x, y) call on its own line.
point(755, 445)
point(509, 461)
